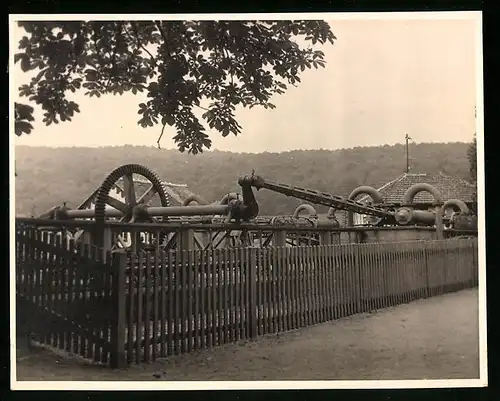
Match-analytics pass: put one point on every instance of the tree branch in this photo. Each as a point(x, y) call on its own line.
point(162, 32)
point(136, 34)
point(159, 138)
point(118, 31)
point(230, 68)
point(165, 38)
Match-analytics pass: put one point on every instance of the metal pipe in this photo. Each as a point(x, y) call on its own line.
point(90, 213)
point(306, 207)
point(417, 188)
point(424, 217)
point(251, 207)
point(326, 222)
point(194, 198)
point(457, 204)
point(438, 215)
point(403, 215)
point(406, 215)
point(366, 190)
point(202, 210)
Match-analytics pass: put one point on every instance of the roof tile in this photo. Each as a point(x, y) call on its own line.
point(449, 187)
point(176, 194)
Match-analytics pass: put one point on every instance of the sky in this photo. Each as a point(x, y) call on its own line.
point(384, 77)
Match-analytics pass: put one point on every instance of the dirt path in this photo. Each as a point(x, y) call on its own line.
point(434, 338)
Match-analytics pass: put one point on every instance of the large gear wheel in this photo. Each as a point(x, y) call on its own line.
point(130, 196)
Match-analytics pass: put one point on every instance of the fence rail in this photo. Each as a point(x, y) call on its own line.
point(141, 307)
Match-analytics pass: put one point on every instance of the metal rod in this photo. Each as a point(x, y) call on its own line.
point(407, 137)
point(89, 213)
point(198, 210)
point(424, 217)
point(407, 215)
point(203, 210)
point(325, 199)
point(179, 226)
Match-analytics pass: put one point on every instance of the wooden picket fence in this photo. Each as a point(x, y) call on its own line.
point(67, 298)
point(141, 307)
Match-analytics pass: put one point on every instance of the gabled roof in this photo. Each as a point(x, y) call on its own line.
point(176, 193)
point(449, 187)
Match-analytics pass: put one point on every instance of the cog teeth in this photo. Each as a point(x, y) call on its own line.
point(112, 178)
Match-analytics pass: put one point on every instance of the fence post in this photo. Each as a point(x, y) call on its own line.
point(475, 263)
point(118, 266)
point(251, 276)
point(357, 265)
point(426, 269)
point(439, 222)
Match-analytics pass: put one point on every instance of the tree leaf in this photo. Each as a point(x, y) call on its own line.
point(226, 63)
point(22, 127)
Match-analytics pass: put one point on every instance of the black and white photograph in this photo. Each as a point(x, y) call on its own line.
point(247, 201)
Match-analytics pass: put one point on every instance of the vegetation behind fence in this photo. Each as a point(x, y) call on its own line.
point(160, 304)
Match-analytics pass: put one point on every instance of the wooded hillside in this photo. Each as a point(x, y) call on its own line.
point(49, 176)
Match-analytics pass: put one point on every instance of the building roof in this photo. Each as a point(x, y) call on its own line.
point(449, 187)
point(176, 193)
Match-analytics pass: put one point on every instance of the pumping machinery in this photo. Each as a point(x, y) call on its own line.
point(118, 216)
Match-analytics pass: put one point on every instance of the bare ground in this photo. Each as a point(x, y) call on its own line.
point(436, 338)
